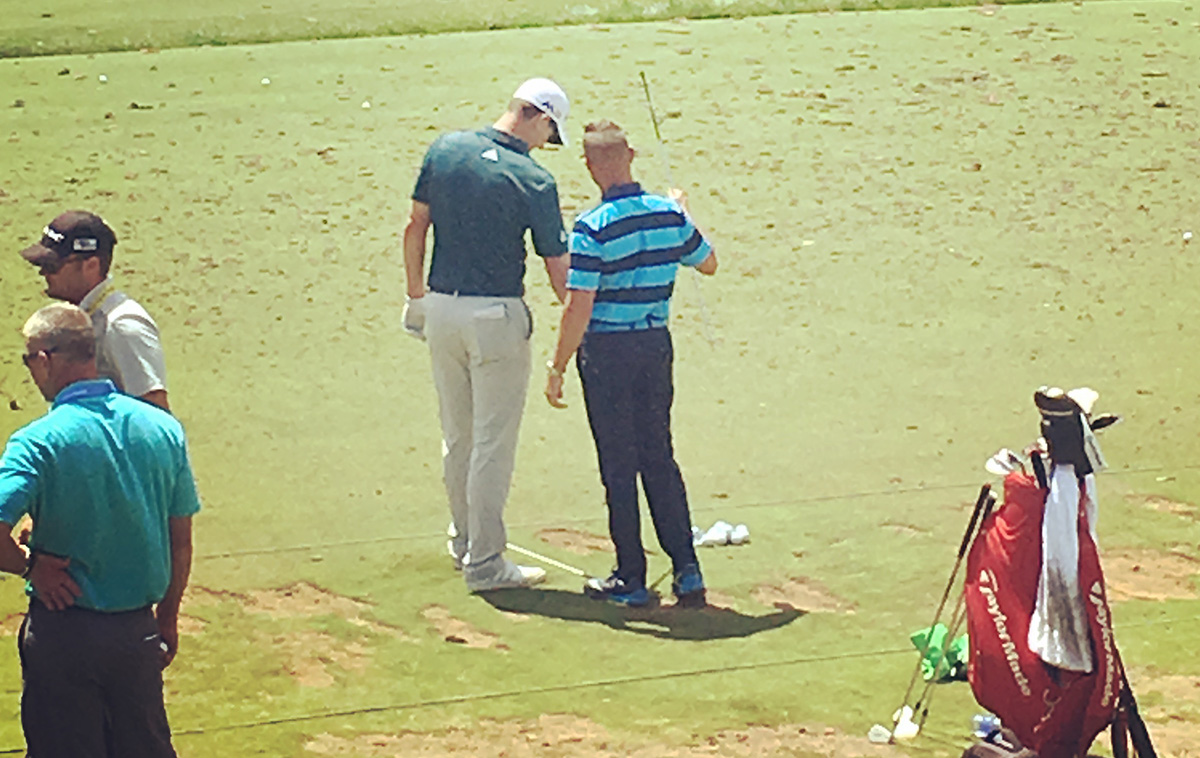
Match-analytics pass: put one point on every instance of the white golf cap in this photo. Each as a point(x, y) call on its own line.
point(550, 99)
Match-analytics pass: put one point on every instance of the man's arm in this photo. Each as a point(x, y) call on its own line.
point(167, 612)
point(574, 325)
point(708, 266)
point(134, 345)
point(415, 234)
point(14, 557)
point(48, 574)
point(557, 268)
point(157, 397)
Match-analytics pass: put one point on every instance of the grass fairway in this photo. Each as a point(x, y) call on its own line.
point(77, 26)
point(922, 216)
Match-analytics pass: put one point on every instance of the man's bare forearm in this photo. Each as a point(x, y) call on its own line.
point(14, 558)
point(556, 270)
point(181, 566)
point(574, 325)
point(415, 232)
point(414, 260)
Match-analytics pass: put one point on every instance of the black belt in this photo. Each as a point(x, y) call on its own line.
point(470, 293)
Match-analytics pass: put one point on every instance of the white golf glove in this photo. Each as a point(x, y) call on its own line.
point(414, 317)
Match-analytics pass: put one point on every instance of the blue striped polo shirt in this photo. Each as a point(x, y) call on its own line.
point(627, 250)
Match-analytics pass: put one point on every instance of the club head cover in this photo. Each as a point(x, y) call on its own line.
point(1063, 427)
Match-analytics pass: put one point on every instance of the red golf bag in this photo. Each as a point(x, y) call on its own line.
point(1055, 712)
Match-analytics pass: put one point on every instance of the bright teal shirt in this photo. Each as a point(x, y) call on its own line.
point(100, 475)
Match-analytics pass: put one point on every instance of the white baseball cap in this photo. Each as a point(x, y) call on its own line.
point(550, 99)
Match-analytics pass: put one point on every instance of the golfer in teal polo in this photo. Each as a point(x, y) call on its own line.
point(481, 192)
point(106, 480)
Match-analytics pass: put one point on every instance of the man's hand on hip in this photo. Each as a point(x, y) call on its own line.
point(51, 581)
point(414, 317)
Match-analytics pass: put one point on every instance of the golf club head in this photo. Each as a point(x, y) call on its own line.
point(906, 729)
point(879, 734)
point(1003, 463)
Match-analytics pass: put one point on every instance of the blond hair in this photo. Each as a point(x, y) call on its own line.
point(604, 140)
point(64, 329)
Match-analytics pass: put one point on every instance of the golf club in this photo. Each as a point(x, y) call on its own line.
point(704, 320)
point(658, 581)
point(985, 495)
point(545, 559)
point(958, 618)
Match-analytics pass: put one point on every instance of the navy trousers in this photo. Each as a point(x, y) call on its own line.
point(628, 390)
point(93, 685)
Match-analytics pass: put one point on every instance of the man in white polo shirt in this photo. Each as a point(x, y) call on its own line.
point(74, 257)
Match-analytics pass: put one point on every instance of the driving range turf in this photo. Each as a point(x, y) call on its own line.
point(921, 216)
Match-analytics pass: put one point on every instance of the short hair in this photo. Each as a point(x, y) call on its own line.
point(105, 258)
point(605, 140)
point(525, 110)
point(64, 328)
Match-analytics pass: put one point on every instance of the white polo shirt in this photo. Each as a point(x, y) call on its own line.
point(128, 349)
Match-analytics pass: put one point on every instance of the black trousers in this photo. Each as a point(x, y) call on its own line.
point(628, 391)
point(93, 685)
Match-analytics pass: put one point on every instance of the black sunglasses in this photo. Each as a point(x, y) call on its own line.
point(27, 358)
point(56, 266)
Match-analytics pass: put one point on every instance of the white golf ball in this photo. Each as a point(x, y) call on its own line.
point(366, 105)
point(1187, 236)
point(265, 81)
point(103, 79)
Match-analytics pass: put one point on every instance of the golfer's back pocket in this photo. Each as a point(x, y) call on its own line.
point(500, 332)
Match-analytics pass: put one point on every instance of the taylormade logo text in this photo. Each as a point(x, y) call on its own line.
point(1096, 596)
point(987, 584)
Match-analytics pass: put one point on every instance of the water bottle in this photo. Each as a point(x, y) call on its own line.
point(985, 726)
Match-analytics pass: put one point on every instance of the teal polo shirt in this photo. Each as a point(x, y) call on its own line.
point(483, 192)
point(100, 474)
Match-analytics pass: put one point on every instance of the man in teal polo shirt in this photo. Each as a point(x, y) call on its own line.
point(107, 482)
point(480, 192)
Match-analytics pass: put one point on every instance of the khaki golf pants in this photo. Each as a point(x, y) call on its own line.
point(480, 351)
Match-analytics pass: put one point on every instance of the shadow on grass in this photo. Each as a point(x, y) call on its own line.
point(663, 621)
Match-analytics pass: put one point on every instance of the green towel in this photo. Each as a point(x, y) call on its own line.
point(947, 662)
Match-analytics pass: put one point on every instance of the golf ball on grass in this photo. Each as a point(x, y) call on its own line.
point(1187, 236)
point(265, 81)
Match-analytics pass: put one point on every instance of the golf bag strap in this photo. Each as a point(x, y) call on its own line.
point(1131, 722)
point(1039, 469)
point(1120, 733)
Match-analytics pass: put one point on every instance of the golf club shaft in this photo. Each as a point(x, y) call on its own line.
point(546, 560)
point(666, 158)
point(657, 134)
point(958, 618)
point(984, 494)
point(659, 580)
point(922, 703)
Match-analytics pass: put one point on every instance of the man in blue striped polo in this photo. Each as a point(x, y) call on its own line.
point(624, 257)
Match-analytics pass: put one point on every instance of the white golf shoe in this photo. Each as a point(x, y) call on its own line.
point(500, 574)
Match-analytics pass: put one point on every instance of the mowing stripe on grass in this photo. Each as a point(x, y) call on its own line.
point(569, 687)
point(458, 699)
point(724, 507)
